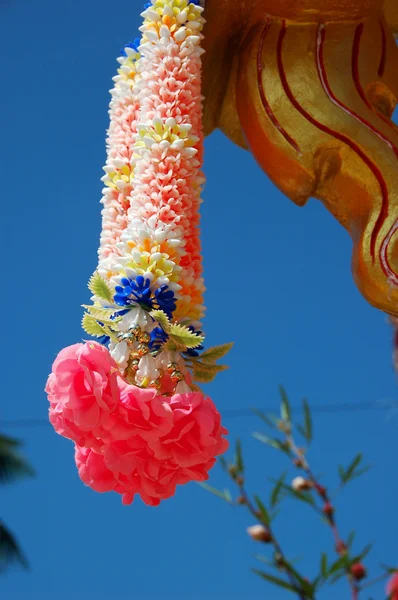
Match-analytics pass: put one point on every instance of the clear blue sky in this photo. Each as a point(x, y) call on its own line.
point(309, 329)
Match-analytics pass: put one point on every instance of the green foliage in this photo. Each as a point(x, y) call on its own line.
point(205, 373)
point(163, 320)
point(352, 471)
point(92, 327)
point(214, 353)
point(306, 430)
point(102, 314)
point(263, 512)
point(225, 494)
point(100, 288)
point(286, 413)
point(275, 580)
point(184, 337)
point(239, 458)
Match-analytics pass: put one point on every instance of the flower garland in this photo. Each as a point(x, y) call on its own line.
point(139, 421)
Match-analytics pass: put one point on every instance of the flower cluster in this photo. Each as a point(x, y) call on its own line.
point(128, 439)
point(131, 402)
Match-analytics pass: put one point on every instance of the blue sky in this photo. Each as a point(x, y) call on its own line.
point(279, 284)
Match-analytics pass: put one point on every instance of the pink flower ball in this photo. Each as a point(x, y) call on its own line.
point(196, 435)
point(148, 413)
point(82, 390)
point(93, 471)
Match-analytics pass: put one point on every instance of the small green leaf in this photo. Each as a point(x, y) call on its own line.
point(239, 458)
point(91, 326)
point(285, 405)
point(270, 420)
point(263, 511)
point(324, 565)
point(100, 313)
point(275, 580)
point(223, 463)
point(389, 570)
point(207, 367)
point(225, 495)
point(276, 492)
point(272, 442)
point(163, 320)
point(100, 288)
point(216, 352)
point(184, 337)
point(307, 421)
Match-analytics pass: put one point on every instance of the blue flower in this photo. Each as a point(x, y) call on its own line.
point(165, 299)
point(148, 5)
point(158, 338)
point(134, 45)
point(130, 292)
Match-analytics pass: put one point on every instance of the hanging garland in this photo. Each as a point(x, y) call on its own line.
point(130, 400)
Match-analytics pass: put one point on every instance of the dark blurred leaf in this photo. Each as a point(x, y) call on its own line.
point(12, 464)
point(286, 413)
point(275, 580)
point(263, 511)
point(10, 551)
point(238, 457)
point(225, 495)
point(276, 492)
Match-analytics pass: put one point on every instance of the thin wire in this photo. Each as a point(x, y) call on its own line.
point(236, 413)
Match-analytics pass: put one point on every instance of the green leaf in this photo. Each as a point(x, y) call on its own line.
point(286, 413)
point(324, 565)
point(101, 314)
point(270, 420)
point(223, 463)
point(216, 352)
point(91, 326)
point(300, 495)
point(307, 421)
point(238, 457)
point(225, 495)
point(275, 580)
point(352, 471)
point(272, 442)
point(350, 539)
point(207, 367)
point(276, 492)
point(263, 511)
point(100, 288)
point(163, 320)
point(389, 570)
point(184, 337)
point(206, 373)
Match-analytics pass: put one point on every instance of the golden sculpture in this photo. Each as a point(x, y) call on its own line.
point(309, 86)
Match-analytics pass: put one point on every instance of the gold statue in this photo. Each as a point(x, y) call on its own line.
point(309, 86)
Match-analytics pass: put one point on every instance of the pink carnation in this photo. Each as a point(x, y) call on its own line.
point(146, 411)
point(93, 471)
point(196, 436)
point(83, 391)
